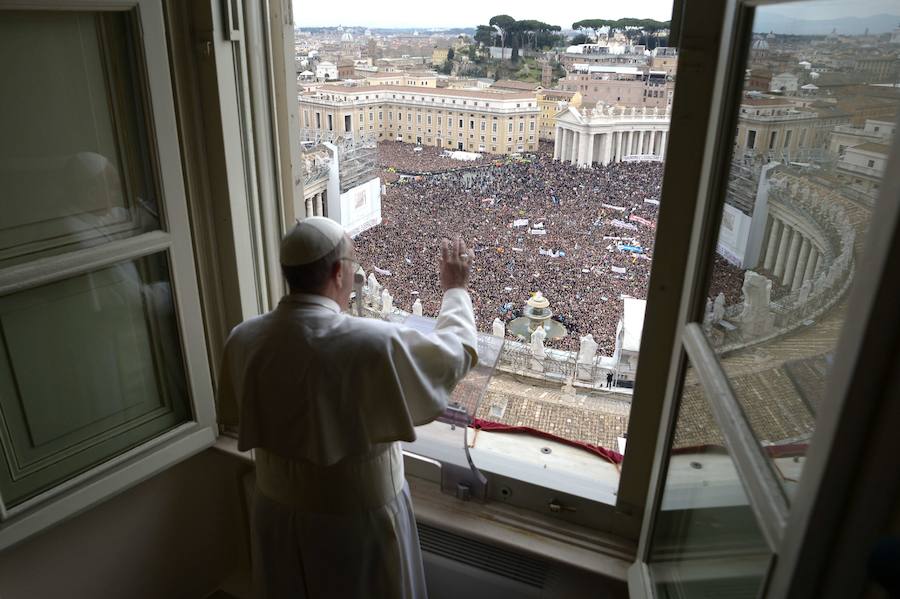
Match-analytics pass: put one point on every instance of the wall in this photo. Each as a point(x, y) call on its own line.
point(361, 207)
point(733, 234)
point(178, 534)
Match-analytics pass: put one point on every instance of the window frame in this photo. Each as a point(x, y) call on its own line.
point(799, 536)
point(175, 238)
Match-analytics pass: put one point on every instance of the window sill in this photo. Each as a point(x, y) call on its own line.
point(503, 525)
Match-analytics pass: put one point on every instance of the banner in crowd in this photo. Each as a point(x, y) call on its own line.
point(611, 207)
point(643, 221)
point(622, 224)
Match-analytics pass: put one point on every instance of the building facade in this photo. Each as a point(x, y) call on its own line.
point(620, 85)
point(470, 120)
point(551, 102)
point(589, 136)
point(776, 129)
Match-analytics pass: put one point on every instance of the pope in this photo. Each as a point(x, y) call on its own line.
point(324, 398)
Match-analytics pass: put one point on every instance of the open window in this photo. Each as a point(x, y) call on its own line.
point(760, 394)
point(104, 368)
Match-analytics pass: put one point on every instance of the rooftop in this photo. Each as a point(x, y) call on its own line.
point(511, 84)
point(430, 91)
point(873, 147)
point(765, 102)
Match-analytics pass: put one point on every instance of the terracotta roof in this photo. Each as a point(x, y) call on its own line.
point(557, 93)
point(511, 84)
point(431, 91)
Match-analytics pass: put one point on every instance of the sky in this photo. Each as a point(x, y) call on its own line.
point(468, 13)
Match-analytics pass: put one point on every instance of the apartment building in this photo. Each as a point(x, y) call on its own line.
point(453, 119)
point(619, 85)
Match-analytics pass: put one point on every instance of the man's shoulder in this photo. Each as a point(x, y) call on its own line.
point(248, 329)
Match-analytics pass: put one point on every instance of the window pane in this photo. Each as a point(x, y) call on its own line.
point(706, 541)
point(557, 192)
point(90, 366)
point(808, 158)
point(75, 160)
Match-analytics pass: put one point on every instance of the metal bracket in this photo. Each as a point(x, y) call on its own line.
point(464, 483)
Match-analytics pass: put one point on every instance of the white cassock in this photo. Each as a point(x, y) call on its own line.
point(325, 398)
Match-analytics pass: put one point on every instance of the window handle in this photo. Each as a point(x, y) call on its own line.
point(233, 11)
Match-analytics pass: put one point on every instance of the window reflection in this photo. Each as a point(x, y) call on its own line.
point(74, 156)
point(808, 158)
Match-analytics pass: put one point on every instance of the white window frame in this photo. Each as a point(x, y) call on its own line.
point(124, 470)
point(806, 562)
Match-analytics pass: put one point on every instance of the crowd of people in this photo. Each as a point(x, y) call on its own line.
point(582, 237)
point(395, 156)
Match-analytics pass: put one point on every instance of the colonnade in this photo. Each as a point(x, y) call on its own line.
point(790, 255)
point(315, 204)
point(603, 147)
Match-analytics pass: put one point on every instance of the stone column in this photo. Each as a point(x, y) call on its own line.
point(320, 208)
point(607, 147)
point(576, 147)
point(588, 157)
point(801, 265)
point(309, 207)
point(810, 264)
point(619, 146)
point(630, 140)
point(557, 143)
point(640, 146)
point(793, 254)
point(783, 244)
point(772, 247)
point(662, 144)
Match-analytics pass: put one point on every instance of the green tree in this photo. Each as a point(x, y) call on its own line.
point(502, 24)
point(450, 54)
point(484, 35)
point(579, 39)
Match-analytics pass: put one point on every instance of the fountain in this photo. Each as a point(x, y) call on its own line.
point(537, 313)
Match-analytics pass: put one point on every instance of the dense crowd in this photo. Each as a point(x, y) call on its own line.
point(395, 155)
point(583, 237)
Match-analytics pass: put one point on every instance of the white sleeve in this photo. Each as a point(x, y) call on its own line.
point(427, 367)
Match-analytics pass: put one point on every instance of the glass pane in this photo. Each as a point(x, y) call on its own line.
point(75, 164)
point(89, 367)
point(706, 542)
point(552, 176)
point(808, 159)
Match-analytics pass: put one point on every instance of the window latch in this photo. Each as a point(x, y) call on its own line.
point(556, 507)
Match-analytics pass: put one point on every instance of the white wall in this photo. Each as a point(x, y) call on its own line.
point(733, 234)
point(178, 534)
point(361, 207)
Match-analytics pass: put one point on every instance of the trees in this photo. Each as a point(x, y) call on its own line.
point(579, 39)
point(502, 25)
point(519, 35)
point(645, 30)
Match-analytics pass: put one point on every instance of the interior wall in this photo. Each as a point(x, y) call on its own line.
point(178, 534)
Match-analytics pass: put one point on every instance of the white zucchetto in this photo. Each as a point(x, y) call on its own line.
point(309, 240)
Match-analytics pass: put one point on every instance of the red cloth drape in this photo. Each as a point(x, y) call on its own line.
point(495, 427)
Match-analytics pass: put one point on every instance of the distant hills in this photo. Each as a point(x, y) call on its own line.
point(767, 21)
